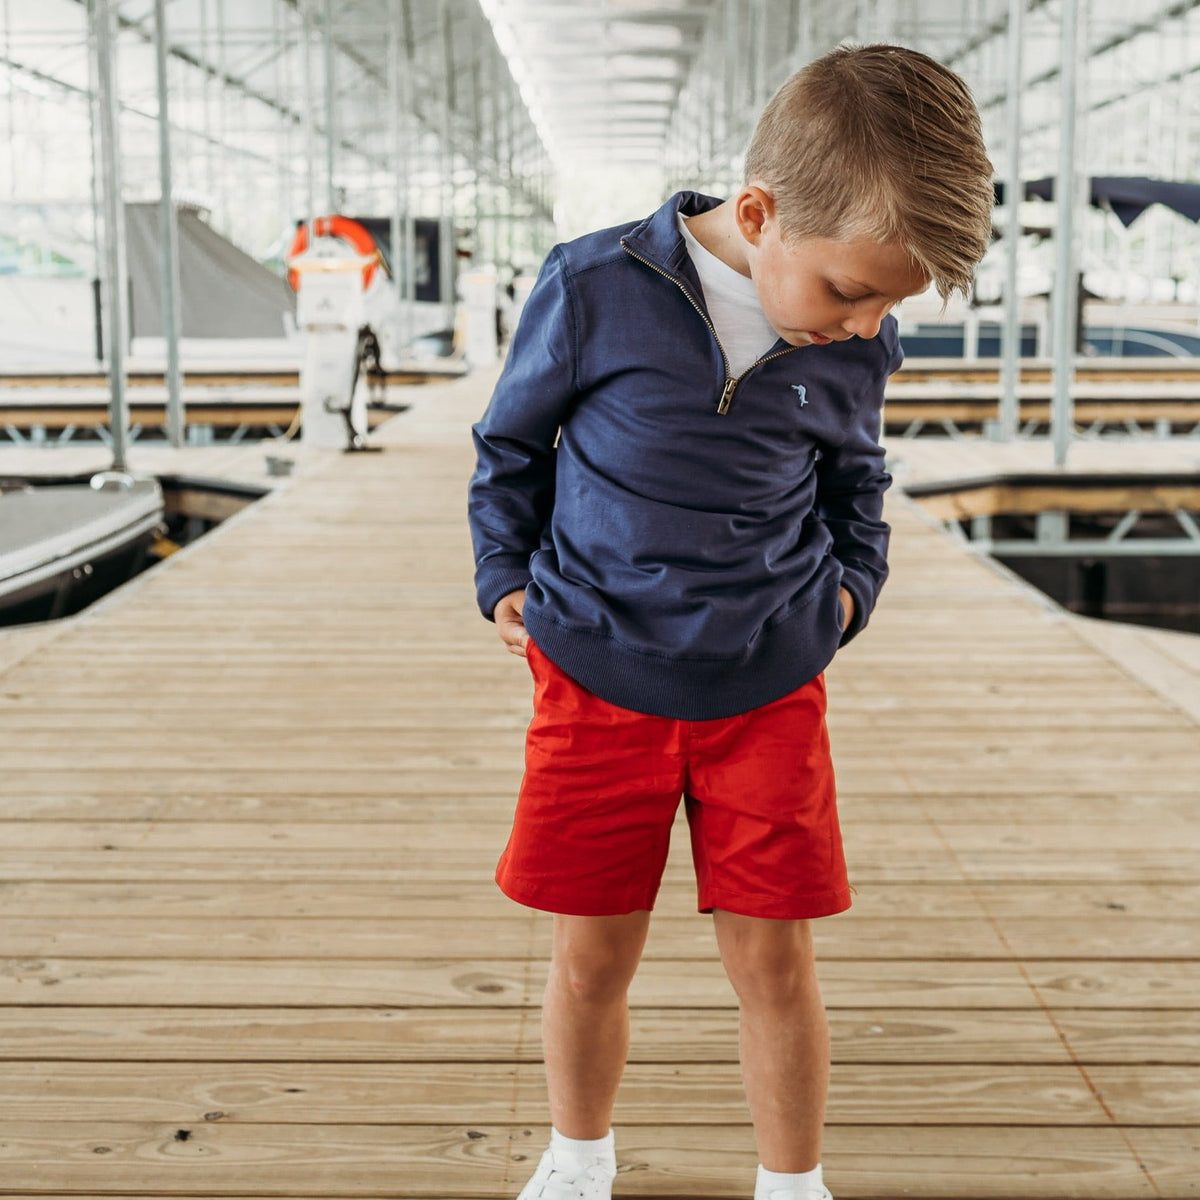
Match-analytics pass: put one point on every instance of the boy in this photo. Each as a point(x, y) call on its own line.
point(676, 516)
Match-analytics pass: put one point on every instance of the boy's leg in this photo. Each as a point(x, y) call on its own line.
point(784, 1038)
point(585, 1018)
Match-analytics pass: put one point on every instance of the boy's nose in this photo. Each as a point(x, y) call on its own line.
point(866, 319)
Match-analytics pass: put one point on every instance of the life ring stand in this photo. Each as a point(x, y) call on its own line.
point(340, 227)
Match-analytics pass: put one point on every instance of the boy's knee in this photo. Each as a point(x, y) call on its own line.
point(767, 961)
point(595, 964)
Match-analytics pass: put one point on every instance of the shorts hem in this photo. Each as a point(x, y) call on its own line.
point(799, 908)
point(551, 900)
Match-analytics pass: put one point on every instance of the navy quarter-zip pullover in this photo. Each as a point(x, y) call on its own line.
point(680, 535)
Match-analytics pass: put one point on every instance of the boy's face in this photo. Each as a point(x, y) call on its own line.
point(817, 291)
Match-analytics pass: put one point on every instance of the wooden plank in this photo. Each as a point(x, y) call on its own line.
point(665, 1035)
point(479, 1161)
point(506, 935)
point(1120, 1036)
point(151, 800)
point(423, 1093)
point(514, 934)
point(485, 982)
point(1123, 866)
point(287, 982)
point(1172, 1158)
point(421, 837)
point(476, 898)
point(1150, 1094)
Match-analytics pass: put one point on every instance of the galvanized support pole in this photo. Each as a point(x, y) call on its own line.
point(169, 240)
point(449, 258)
point(477, 164)
point(1010, 369)
point(396, 231)
point(761, 92)
point(1062, 415)
point(222, 145)
point(10, 110)
point(330, 106)
point(408, 93)
point(103, 38)
point(496, 74)
point(310, 122)
point(283, 89)
point(731, 102)
point(206, 101)
point(93, 93)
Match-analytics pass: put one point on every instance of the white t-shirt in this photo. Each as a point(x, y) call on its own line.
point(733, 307)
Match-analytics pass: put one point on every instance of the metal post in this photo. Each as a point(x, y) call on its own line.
point(761, 92)
point(393, 88)
point(114, 226)
point(448, 257)
point(330, 104)
point(169, 239)
point(310, 123)
point(1062, 416)
point(222, 147)
point(10, 110)
point(512, 106)
point(93, 104)
point(408, 103)
point(205, 102)
point(496, 75)
point(283, 89)
point(1010, 370)
point(477, 164)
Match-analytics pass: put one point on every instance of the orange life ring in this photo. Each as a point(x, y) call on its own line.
point(339, 227)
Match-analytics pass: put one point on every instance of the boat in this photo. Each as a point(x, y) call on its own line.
point(65, 544)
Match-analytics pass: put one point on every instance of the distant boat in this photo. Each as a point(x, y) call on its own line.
point(64, 545)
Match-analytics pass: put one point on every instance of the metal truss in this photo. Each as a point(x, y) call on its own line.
point(1056, 535)
point(280, 110)
point(1151, 429)
point(39, 437)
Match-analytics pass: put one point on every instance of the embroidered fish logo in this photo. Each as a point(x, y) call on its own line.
point(802, 392)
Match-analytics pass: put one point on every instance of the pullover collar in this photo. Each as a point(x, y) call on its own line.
point(658, 239)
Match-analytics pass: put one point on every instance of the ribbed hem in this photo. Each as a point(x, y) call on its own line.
point(784, 658)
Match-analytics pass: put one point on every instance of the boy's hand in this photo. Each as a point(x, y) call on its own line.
point(847, 607)
point(509, 626)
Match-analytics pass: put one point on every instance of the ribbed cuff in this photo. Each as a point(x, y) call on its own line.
point(493, 583)
point(864, 602)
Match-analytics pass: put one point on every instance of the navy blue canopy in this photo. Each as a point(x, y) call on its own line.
point(1127, 195)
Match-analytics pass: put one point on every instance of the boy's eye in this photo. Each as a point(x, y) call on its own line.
point(841, 296)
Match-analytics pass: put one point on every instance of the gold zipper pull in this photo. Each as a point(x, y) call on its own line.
point(726, 397)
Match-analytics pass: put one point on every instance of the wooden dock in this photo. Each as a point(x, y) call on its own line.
point(250, 946)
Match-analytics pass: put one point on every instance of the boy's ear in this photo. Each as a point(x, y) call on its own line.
point(753, 208)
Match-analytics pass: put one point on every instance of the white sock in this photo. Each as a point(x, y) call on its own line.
point(768, 1181)
point(596, 1150)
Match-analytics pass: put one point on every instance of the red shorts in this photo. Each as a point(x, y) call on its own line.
point(602, 786)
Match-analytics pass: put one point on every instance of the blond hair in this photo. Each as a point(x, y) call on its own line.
point(882, 143)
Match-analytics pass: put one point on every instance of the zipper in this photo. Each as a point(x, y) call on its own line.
point(731, 381)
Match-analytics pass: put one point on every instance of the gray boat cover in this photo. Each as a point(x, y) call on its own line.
point(225, 293)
